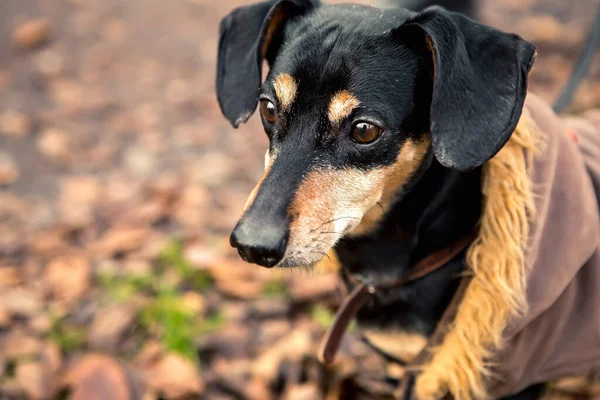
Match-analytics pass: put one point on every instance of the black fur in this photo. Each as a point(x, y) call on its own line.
point(468, 97)
point(467, 7)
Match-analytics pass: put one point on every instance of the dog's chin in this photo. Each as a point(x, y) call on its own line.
point(291, 264)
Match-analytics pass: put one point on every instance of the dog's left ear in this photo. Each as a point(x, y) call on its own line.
point(249, 35)
point(480, 83)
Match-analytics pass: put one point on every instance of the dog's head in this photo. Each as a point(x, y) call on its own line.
point(356, 103)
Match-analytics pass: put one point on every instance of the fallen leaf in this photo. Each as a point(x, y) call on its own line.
point(68, 277)
point(258, 389)
point(55, 145)
point(98, 377)
point(150, 354)
point(313, 288)
point(4, 316)
point(21, 302)
point(20, 345)
point(32, 34)
point(34, 379)
point(192, 206)
point(109, 325)
point(291, 347)
point(78, 195)
point(49, 62)
point(175, 377)
point(9, 276)
point(9, 171)
point(51, 357)
point(574, 385)
point(14, 124)
point(303, 392)
point(121, 239)
point(40, 323)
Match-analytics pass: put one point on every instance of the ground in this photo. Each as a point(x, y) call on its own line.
point(119, 184)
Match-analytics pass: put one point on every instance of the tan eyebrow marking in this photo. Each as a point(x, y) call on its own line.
point(285, 89)
point(341, 106)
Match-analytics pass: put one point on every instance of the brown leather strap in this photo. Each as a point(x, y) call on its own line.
point(433, 261)
point(361, 294)
point(348, 310)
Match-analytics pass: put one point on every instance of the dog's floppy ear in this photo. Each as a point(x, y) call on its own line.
point(480, 83)
point(248, 35)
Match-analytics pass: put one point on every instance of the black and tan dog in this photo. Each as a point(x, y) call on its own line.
point(386, 130)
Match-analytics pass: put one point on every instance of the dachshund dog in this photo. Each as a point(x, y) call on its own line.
point(381, 125)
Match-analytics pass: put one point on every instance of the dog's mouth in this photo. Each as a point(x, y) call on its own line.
point(308, 247)
point(303, 243)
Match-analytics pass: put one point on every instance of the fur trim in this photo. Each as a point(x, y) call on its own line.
point(496, 260)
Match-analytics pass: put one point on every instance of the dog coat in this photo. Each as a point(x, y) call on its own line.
point(558, 334)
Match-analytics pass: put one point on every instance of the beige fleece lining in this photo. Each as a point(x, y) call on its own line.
point(497, 262)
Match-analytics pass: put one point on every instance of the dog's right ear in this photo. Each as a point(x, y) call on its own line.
point(248, 35)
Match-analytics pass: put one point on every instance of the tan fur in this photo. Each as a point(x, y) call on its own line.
point(269, 160)
point(429, 45)
point(285, 89)
point(327, 204)
point(278, 17)
point(402, 345)
point(341, 106)
point(497, 262)
point(331, 203)
point(408, 161)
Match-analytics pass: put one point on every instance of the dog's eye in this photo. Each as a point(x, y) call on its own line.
point(268, 111)
point(364, 132)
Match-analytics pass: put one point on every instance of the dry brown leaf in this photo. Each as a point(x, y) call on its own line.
point(9, 171)
point(20, 345)
point(15, 124)
point(21, 302)
point(78, 195)
point(241, 289)
point(574, 385)
point(98, 377)
point(34, 379)
point(68, 277)
point(54, 144)
point(150, 354)
point(51, 357)
point(50, 62)
point(32, 34)
point(313, 287)
point(303, 392)
point(9, 276)
point(192, 206)
point(291, 347)
point(121, 239)
point(109, 326)
point(4, 316)
point(175, 377)
point(40, 323)
point(258, 389)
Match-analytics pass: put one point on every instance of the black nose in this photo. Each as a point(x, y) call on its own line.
point(259, 243)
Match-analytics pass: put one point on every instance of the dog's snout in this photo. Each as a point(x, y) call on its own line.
point(260, 243)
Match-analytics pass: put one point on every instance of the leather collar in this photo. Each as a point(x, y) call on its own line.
point(363, 291)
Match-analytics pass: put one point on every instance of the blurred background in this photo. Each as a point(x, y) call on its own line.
point(119, 184)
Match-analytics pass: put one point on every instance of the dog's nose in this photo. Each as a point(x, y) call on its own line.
point(260, 244)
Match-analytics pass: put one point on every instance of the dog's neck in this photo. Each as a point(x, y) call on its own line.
point(439, 208)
